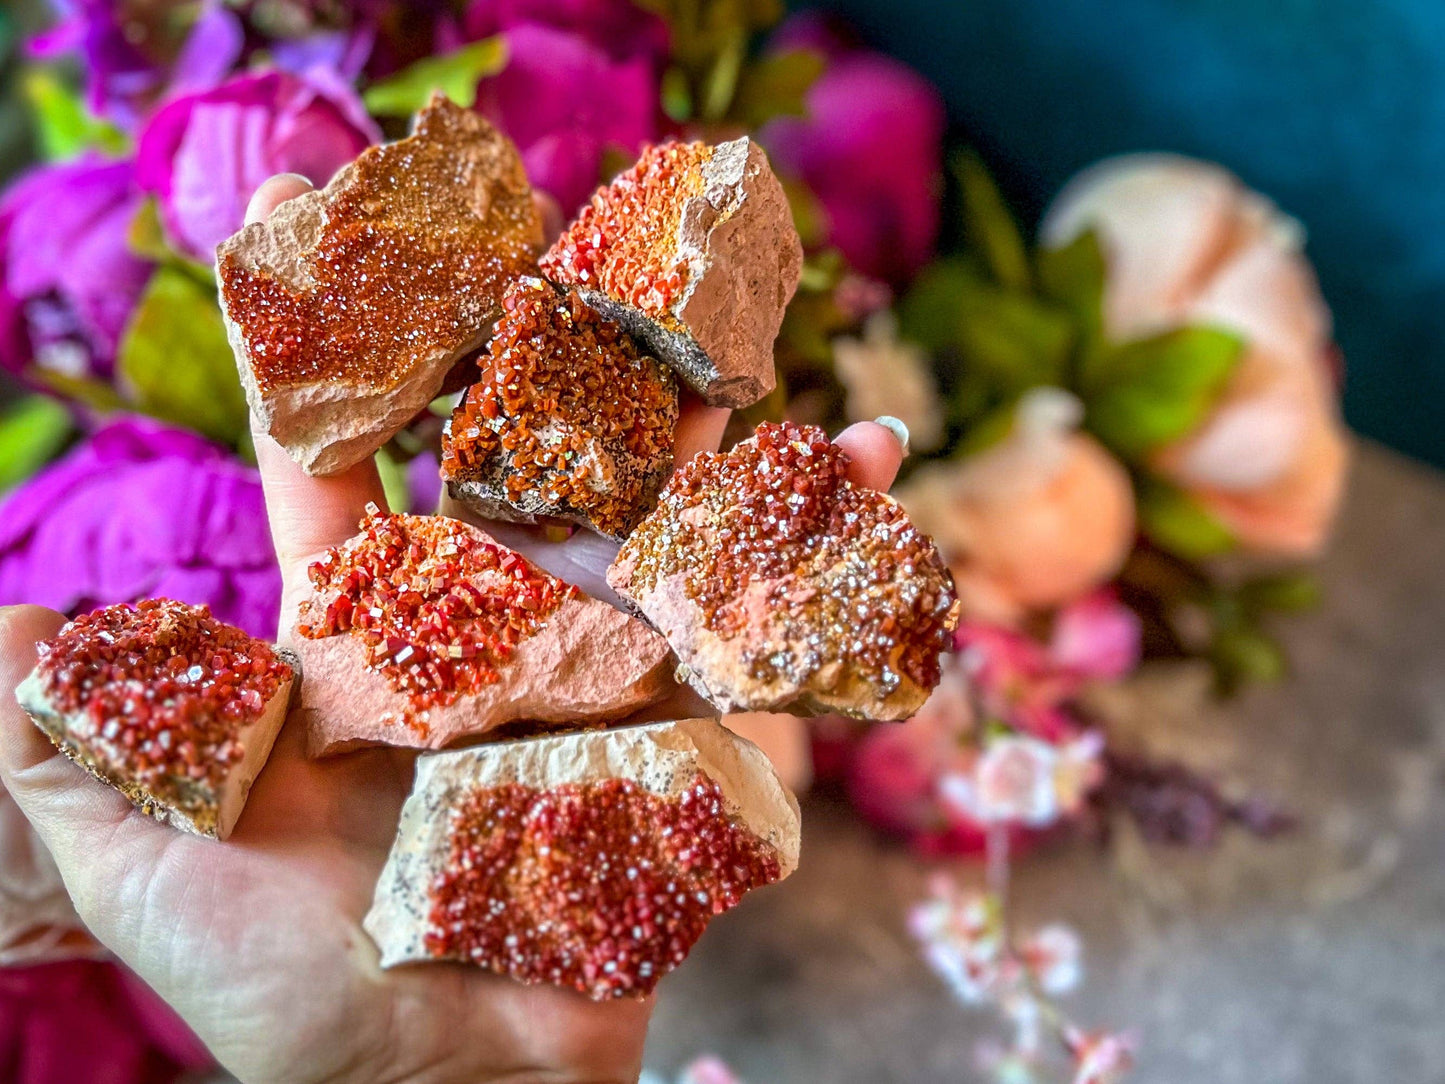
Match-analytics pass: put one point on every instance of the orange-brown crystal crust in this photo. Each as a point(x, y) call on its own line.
point(159, 692)
point(437, 606)
point(416, 250)
point(567, 409)
point(846, 575)
point(603, 887)
point(624, 243)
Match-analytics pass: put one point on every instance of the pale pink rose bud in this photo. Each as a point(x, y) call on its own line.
point(1186, 243)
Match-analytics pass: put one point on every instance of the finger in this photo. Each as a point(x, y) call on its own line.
point(274, 192)
point(87, 827)
point(699, 429)
point(549, 211)
point(877, 450)
point(309, 515)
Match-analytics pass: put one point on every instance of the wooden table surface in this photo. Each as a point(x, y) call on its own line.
point(1317, 959)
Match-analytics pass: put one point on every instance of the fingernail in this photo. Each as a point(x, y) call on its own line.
point(896, 427)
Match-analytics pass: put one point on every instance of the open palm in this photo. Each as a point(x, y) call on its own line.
point(257, 942)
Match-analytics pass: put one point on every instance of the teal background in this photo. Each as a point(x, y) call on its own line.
point(1335, 108)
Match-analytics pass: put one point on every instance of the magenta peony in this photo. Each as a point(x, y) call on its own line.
point(68, 280)
point(870, 149)
point(204, 154)
point(137, 510)
point(581, 77)
point(134, 53)
point(88, 1020)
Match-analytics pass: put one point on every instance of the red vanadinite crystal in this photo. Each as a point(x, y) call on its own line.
point(162, 689)
point(403, 267)
point(624, 243)
point(849, 574)
point(438, 606)
point(603, 887)
point(565, 396)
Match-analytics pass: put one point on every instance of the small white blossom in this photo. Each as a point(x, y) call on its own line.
point(883, 374)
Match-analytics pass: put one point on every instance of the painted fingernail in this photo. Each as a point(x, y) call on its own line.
point(896, 427)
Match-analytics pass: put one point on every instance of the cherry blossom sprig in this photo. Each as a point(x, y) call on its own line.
point(966, 940)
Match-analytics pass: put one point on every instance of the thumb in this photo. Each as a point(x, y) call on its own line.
point(102, 846)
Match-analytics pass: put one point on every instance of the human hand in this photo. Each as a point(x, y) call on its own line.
point(257, 942)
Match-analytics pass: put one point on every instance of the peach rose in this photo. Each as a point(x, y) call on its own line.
point(1187, 243)
point(1035, 521)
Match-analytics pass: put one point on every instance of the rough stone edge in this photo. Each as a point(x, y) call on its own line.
point(398, 917)
point(202, 814)
point(303, 219)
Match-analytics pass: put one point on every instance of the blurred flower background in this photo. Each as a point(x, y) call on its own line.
point(1125, 429)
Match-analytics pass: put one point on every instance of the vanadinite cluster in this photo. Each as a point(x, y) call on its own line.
point(624, 243)
point(423, 629)
point(592, 860)
point(157, 698)
point(569, 419)
point(779, 582)
point(348, 307)
point(603, 887)
point(437, 606)
point(693, 251)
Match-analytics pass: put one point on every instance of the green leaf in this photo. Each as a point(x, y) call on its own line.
point(1178, 524)
point(1244, 655)
point(676, 94)
point(993, 428)
point(1149, 392)
point(989, 226)
point(1016, 340)
point(31, 432)
point(776, 85)
point(85, 390)
point(146, 237)
point(928, 313)
point(393, 481)
point(176, 358)
point(721, 84)
point(1073, 276)
point(1011, 339)
point(808, 213)
point(1292, 592)
point(455, 74)
point(61, 122)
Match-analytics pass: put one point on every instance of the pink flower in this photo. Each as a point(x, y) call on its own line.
point(1099, 1057)
point(962, 935)
point(1187, 243)
point(581, 78)
point(68, 280)
point(1027, 683)
point(622, 28)
point(204, 154)
point(142, 510)
point(708, 1070)
point(1053, 955)
point(869, 148)
point(892, 775)
point(1033, 522)
point(1019, 779)
point(1096, 637)
point(90, 1020)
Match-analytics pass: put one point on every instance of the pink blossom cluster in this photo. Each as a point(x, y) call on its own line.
point(966, 940)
